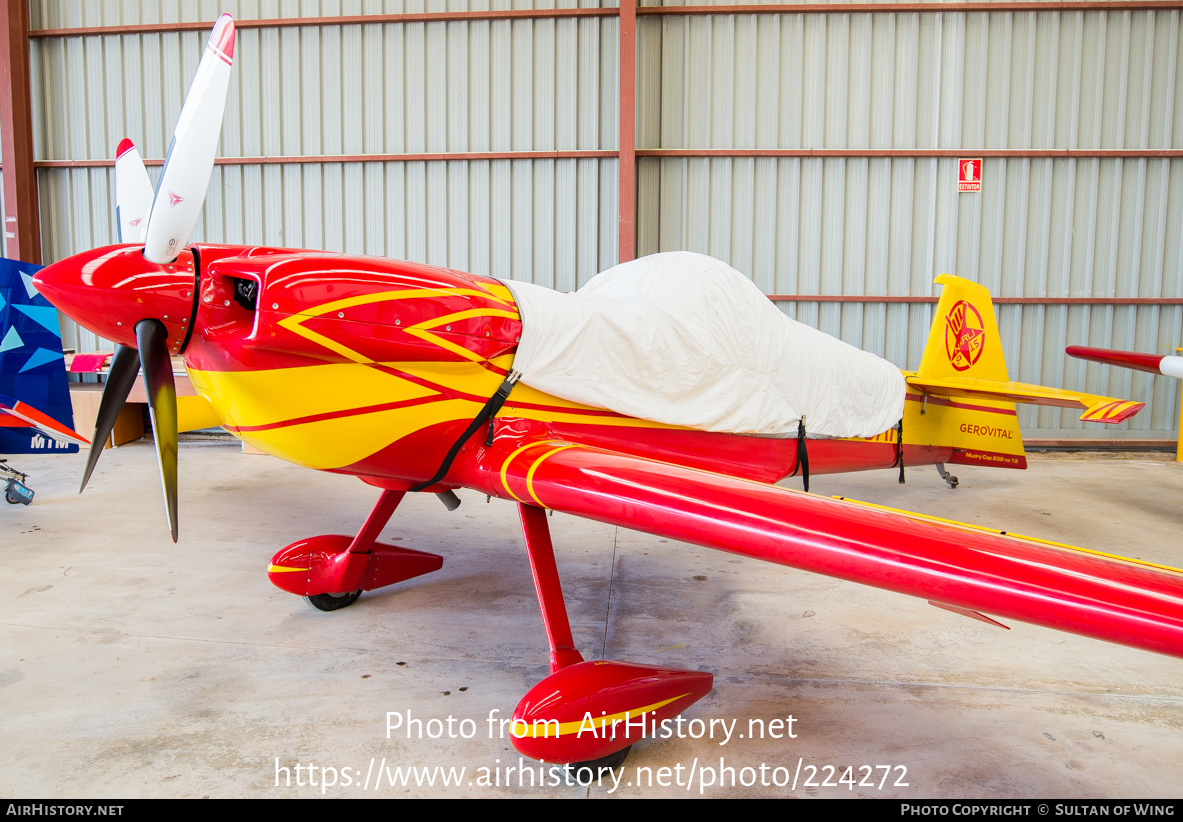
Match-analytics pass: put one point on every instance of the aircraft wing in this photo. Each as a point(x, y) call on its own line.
point(1096, 408)
point(964, 567)
point(1169, 365)
point(44, 423)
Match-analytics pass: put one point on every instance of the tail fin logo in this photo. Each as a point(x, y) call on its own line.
point(965, 335)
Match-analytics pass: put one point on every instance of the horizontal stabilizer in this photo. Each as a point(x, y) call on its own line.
point(1107, 410)
point(1096, 408)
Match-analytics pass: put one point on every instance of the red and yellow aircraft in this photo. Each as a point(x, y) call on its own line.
point(401, 374)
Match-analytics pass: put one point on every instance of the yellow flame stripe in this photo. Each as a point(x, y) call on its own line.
point(499, 292)
point(447, 345)
point(280, 569)
point(295, 322)
point(436, 322)
point(421, 330)
point(407, 294)
point(568, 728)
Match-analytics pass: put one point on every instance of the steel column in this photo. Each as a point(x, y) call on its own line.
point(22, 226)
point(627, 193)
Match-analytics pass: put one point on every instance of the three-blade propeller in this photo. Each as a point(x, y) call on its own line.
point(133, 192)
point(164, 221)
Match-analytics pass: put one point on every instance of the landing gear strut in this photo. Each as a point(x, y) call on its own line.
point(331, 571)
point(589, 712)
point(949, 479)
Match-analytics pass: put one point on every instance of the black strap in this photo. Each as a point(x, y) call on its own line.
point(802, 455)
point(487, 413)
point(899, 449)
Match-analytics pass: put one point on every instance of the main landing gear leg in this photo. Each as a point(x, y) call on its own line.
point(588, 714)
point(332, 570)
point(546, 585)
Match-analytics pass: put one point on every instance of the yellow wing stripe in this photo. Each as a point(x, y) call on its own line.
point(534, 467)
point(530, 471)
point(928, 518)
point(505, 469)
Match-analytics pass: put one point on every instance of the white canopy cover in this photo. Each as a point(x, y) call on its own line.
point(685, 339)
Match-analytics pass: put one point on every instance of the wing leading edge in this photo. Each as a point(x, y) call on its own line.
point(1083, 592)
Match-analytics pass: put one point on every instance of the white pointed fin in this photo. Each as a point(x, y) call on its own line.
point(42, 422)
point(133, 192)
point(185, 179)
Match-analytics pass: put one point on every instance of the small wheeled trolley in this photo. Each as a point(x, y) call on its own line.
point(15, 490)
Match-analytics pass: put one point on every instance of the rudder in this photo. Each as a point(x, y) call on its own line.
point(964, 339)
point(964, 343)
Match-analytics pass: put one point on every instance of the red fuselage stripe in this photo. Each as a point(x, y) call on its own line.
point(451, 393)
point(454, 394)
point(332, 415)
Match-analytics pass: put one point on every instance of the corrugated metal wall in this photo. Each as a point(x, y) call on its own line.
point(1041, 227)
point(52, 14)
point(466, 86)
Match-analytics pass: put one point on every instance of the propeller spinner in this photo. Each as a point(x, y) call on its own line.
point(144, 298)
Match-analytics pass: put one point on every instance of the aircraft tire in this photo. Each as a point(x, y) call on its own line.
point(332, 602)
point(611, 761)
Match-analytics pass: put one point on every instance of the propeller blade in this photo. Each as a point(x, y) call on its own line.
point(124, 367)
point(133, 192)
point(162, 405)
point(185, 179)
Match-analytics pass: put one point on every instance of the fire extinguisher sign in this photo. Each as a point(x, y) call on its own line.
point(969, 175)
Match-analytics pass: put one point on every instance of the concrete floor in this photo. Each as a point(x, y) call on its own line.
point(133, 668)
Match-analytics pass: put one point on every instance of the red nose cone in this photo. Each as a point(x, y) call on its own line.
point(109, 290)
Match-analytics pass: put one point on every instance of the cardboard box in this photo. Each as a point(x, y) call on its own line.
point(85, 398)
